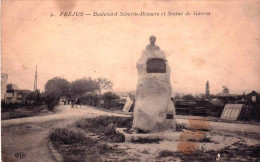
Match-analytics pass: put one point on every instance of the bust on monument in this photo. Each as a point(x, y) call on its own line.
point(152, 45)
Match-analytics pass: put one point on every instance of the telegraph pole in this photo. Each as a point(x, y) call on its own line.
point(36, 79)
point(35, 83)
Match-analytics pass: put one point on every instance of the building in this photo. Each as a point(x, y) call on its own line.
point(23, 94)
point(4, 78)
point(12, 95)
point(16, 95)
point(253, 101)
point(254, 97)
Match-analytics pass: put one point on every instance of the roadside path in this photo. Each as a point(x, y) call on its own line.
point(28, 135)
point(62, 112)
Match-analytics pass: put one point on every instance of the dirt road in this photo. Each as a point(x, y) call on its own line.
point(27, 136)
point(61, 112)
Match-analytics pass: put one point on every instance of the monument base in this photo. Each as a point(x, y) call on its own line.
point(131, 136)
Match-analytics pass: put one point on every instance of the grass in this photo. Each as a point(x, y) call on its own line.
point(25, 112)
point(75, 144)
point(181, 126)
point(90, 140)
point(104, 121)
point(146, 140)
point(205, 139)
point(66, 136)
point(244, 153)
point(105, 127)
point(195, 156)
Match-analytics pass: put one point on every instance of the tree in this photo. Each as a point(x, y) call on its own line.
point(104, 84)
point(54, 89)
point(197, 96)
point(207, 90)
point(177, 96)
point(34, 96)
point(225, 89)
point(57, 86)
point(108, 97)
point(81, 86)
point(188, 97)
point(9, 87)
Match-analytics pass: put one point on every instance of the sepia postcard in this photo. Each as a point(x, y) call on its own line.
point(130, 80)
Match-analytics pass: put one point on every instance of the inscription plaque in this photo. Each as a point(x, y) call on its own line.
point(156, 65)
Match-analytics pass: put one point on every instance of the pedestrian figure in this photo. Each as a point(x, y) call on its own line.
point(76, 102)
point(72, 103)
point(79, 102)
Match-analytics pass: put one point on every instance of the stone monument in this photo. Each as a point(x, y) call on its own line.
point(154, 111)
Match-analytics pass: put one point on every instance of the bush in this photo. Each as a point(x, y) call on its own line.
point(108, 99)
point(167, 153)
point(75, 146)
point(90, 99)
point(66, 136)
point(147, 140)
point(11, 106)
point(104, 121)
point(106, 126)
point(188, 97)
point(197, 155)
point(51, 101)
point(114, 136)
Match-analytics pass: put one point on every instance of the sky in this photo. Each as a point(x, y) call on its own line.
point(223, 48)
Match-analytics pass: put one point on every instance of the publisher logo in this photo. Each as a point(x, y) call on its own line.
point(20, 155)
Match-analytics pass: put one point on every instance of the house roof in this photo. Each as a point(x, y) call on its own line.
point(217, 102)
point(19, 96)
point(9, 95)
point(15, 87)
point(236, 106)
point(225, 95)
point(25, 91)
point(258, 92)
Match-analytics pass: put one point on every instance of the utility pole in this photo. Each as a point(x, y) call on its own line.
point(35, 83)
point(35, 80)
point(207, 90)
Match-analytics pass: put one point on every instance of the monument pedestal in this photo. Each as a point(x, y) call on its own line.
point(154, 111)
point(169, 135)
